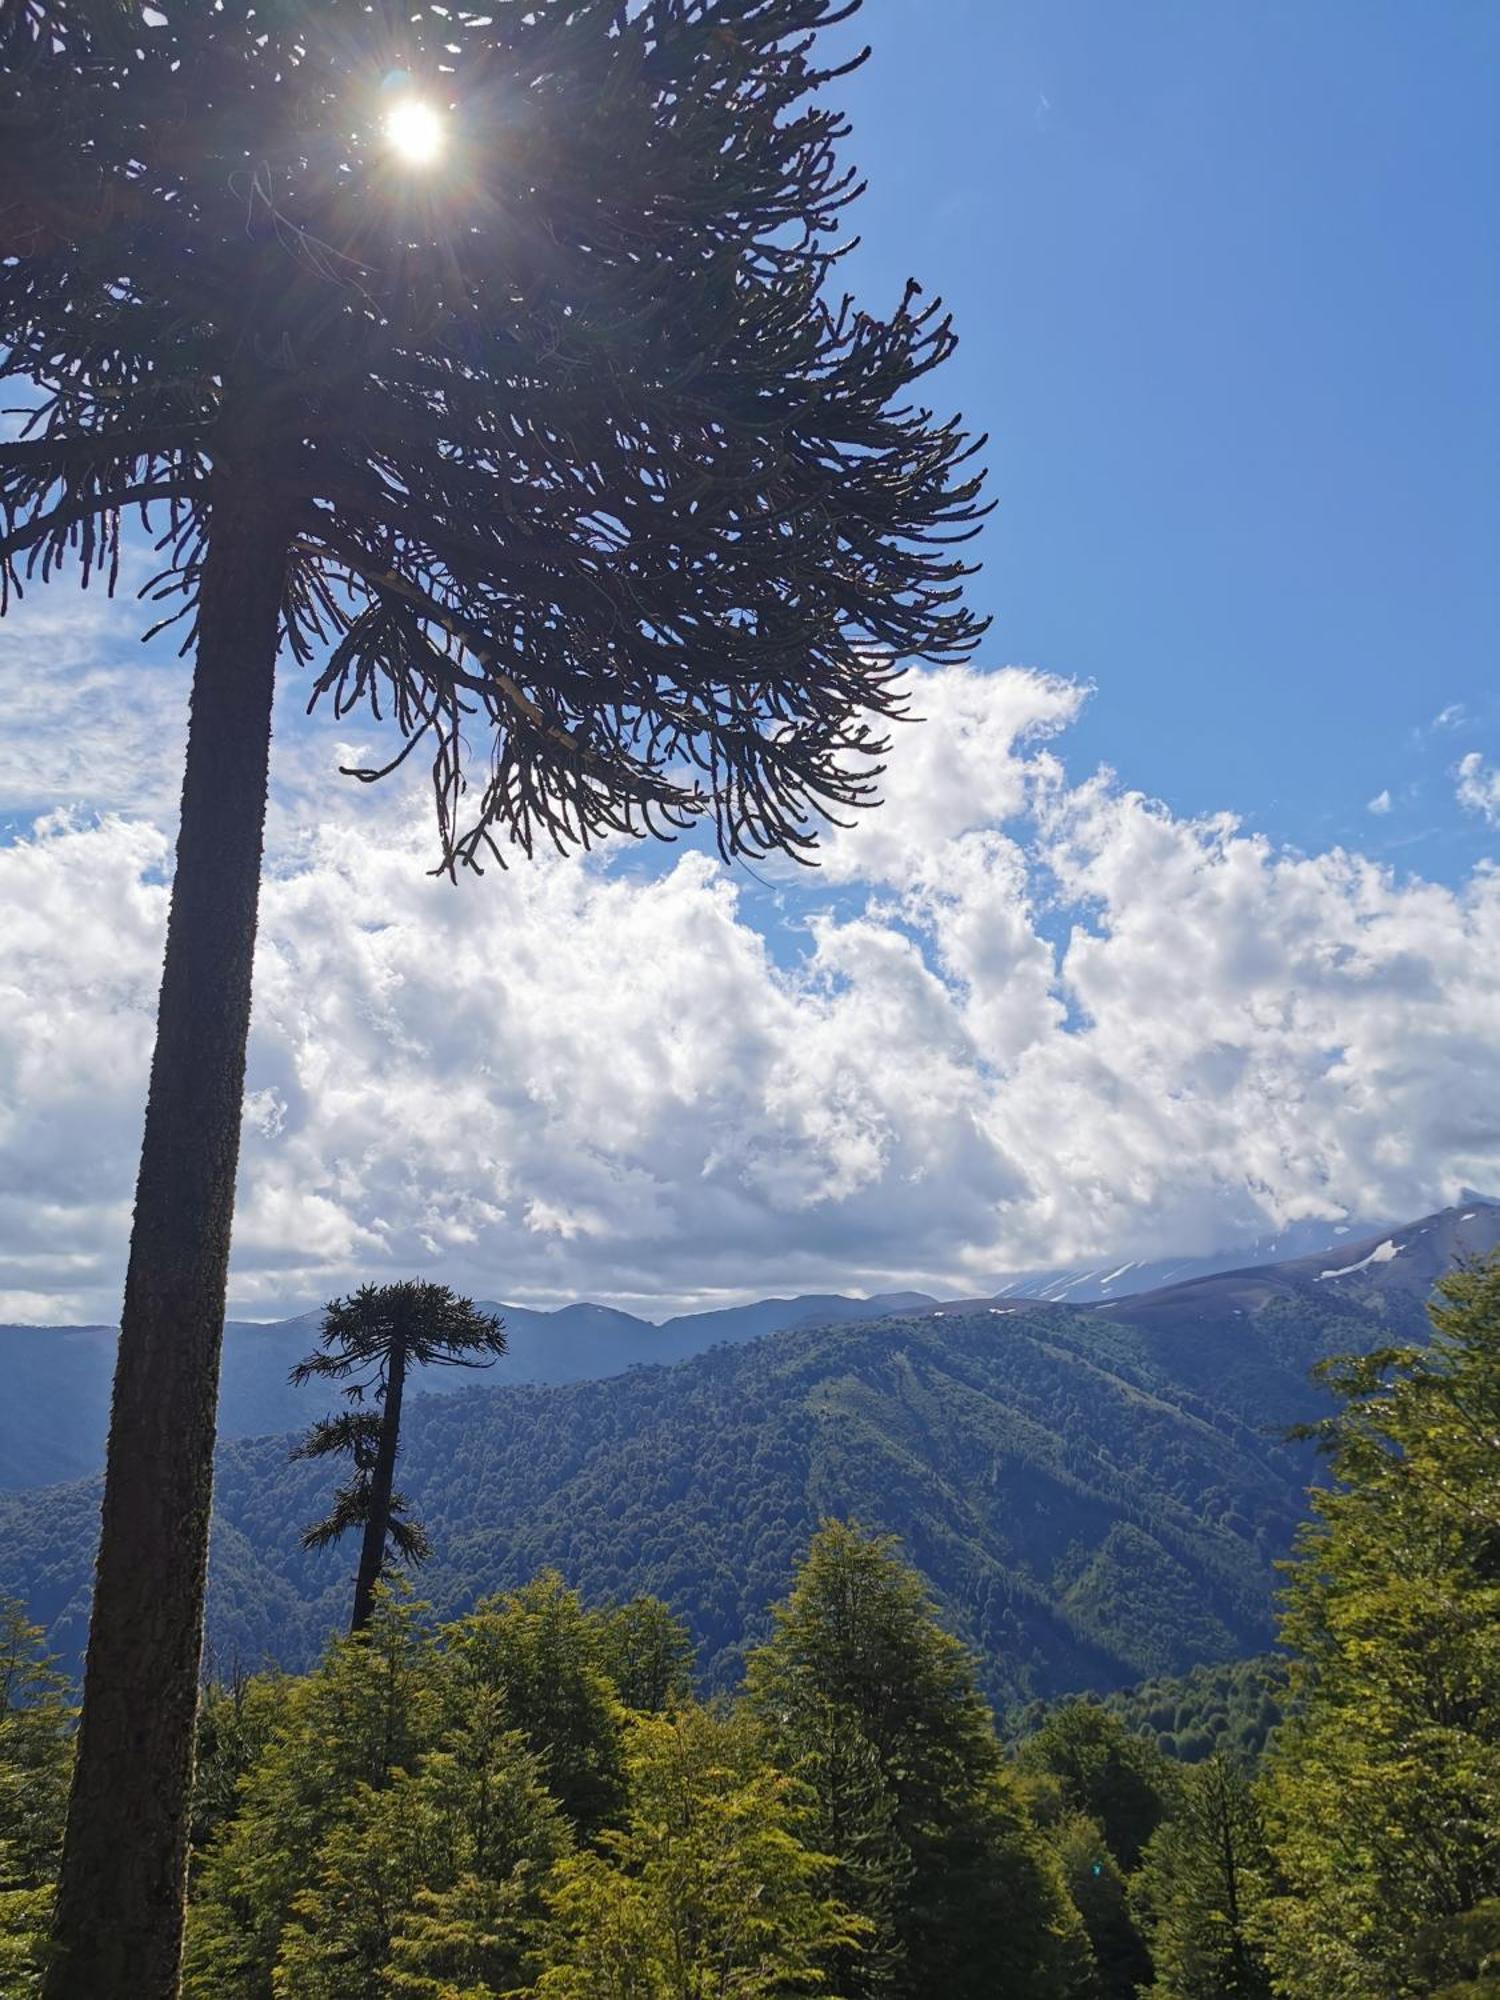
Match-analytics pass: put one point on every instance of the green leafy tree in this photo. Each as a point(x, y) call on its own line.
point(1107, 1771)
point(647, 1653)
point(1383, 1793)
point(544, 1655)
point(431, 1885)
point(1199, 1888)
point(1232, 1706)
point(36, 1754)
point(236, 1720)
point(708, 1891)
point(853, 1819)
point(344, 1730)
point(1098, 1887)
point(981, 1904)
point(367, 1343)
point(562, 444)
point(1470, 1942)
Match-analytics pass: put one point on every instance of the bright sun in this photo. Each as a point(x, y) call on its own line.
point(415, 131)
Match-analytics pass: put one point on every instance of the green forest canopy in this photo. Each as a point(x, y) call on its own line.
point(529, 1800)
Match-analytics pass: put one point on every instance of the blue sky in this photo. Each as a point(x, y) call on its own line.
point(1110, 976)
point(1227, 279)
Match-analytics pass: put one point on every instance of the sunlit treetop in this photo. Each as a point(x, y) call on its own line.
point(523, 321)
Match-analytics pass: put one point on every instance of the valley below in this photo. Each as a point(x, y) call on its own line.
point(1096, 1494)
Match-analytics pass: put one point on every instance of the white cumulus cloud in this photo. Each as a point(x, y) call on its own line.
point(1018, 1018)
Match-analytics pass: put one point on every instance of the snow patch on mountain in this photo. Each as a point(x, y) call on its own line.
point(1381, 1254)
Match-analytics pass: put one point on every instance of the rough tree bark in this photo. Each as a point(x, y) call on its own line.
point(118, 1927)
point(382, 1480)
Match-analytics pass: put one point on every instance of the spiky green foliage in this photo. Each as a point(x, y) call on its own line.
point(433, 1326)
point(579, 454)
point(1383, 1797)
point(367, 1343)
point(355, 1434)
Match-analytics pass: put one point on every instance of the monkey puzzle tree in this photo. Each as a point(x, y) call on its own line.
point(488, 362)
point(368, 1342)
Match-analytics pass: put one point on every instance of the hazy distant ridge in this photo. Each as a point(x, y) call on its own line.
point(52, 1426)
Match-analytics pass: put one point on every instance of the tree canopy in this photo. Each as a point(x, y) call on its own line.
point(1383, 1795)
point(963, 1895)
point(572, 439)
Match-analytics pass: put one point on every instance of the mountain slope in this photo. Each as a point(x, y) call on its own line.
point(1096, 1494)
point(53, 1426)
point(1247, 1338)
point(1084, 1521)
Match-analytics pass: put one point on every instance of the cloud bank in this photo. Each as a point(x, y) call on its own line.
point(1018, 1018)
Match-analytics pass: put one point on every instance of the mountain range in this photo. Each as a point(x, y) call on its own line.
point(53, 1424)
point(1095, 1493)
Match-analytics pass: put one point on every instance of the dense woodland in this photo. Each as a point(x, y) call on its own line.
point(532, 1799)
point(1093, 1503)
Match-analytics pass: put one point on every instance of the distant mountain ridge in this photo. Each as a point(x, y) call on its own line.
point(1102, 1283)
point(1083, 1521)
point(1096, 1494)
point(1390, 1272)
point(53, 1424)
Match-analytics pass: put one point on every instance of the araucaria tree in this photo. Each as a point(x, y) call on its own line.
point(489, 363)
point(367, 1343)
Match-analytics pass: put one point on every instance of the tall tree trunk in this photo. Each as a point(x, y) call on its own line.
point(382, 1481)
point(118, 1926)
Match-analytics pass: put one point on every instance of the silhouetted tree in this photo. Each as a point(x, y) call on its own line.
point(566, 447)
point(368, 1342)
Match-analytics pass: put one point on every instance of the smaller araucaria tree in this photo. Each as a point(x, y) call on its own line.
point(368, 1342)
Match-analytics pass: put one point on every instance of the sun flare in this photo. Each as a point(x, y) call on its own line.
point(415, 131)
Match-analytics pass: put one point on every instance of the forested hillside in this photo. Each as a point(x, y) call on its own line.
point(53, 1427)
point(1085, 1519)
point(1095, 1499)
point(1229, 1708)
point(528, 1802)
